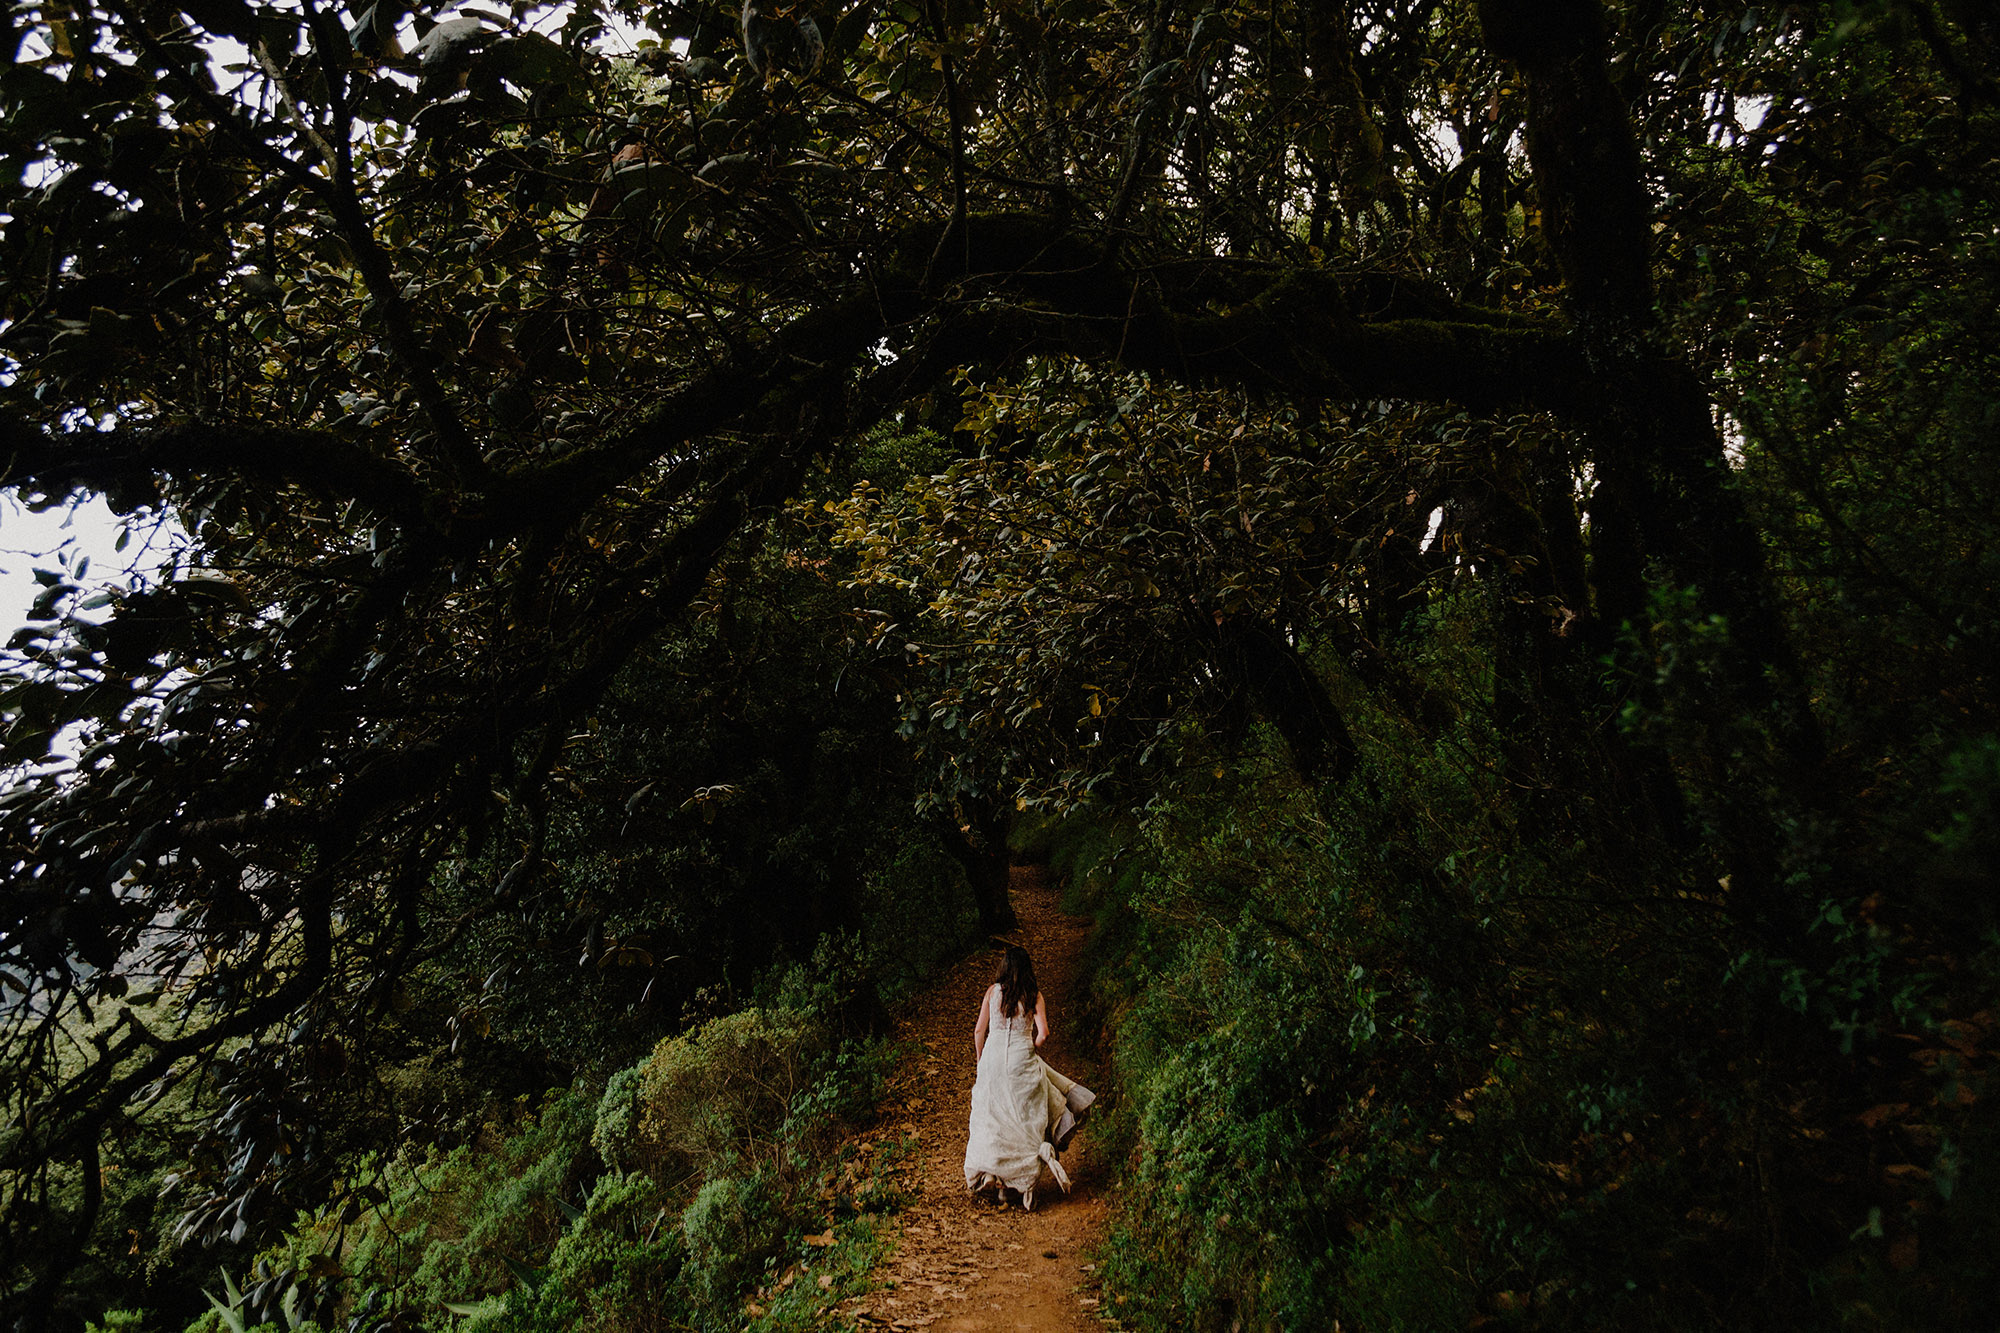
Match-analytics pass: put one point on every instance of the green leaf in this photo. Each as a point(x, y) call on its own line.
point(230, 1313)
point(469, 1307)
point(531, 1279)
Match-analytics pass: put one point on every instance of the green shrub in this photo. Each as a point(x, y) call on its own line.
point(615, 1132)
point(453, 1223)
point(1350, 1087)
point(732, 1227)
point(1399, 1280)
point(1032, 838)
point(617, 1269)
point(649, 1205)
point(716, 1096)
point(117, 1321)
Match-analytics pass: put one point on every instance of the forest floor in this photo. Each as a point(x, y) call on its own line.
point(957, 1264)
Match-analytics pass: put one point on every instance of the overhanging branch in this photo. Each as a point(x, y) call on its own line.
point(54, 463)
point(1308, 333)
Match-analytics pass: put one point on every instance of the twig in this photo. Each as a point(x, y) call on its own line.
point(1142, 124)
point(957, 122)
point(312, 136)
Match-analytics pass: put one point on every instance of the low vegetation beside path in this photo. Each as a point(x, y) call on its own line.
point(711, 1186)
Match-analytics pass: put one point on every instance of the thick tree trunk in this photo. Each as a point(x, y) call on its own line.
point(1291, 696)
point(1663, 495)
point(1663, 491)
point(980, 845)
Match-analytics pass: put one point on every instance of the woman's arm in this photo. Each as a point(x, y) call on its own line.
point(1041, 1019)
point(979, 1028)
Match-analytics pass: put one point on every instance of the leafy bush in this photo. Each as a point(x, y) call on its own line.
point(615, 1132)
point(453, 1223)
point(651, 1204)
point(1382, 1061)
point(617, 1268)
point(1398, 1281)
point(732, 1227)
point(713, 1098)
point(117, 1321)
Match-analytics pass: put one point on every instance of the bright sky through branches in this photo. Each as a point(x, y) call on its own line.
point(54, 540)
point(60, 537)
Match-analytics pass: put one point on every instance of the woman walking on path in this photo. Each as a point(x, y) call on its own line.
point(1023, 1112)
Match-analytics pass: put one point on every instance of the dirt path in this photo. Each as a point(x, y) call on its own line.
point(961, 1264)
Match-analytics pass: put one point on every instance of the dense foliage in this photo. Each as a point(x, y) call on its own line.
point(708, 1176)
point(725, 806)
point(1488, 503)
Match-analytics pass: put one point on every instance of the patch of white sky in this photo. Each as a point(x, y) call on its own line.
point(1738, 116)
point(77, 542)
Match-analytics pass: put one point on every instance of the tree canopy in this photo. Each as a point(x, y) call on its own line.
point(481, 354)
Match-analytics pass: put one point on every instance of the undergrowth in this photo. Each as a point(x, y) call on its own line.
point(1405, 1061)
point(708, 1187)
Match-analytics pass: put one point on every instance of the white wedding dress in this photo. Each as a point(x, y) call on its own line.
point(1023, 1112)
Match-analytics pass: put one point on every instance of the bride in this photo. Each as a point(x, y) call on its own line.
point(1023, 1112)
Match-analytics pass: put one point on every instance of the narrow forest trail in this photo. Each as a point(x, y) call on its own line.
point(959, 1264)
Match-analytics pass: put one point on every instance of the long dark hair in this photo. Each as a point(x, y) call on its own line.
point(1017, 982)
